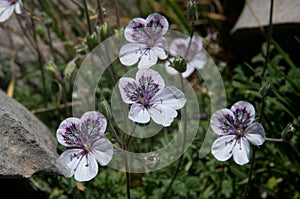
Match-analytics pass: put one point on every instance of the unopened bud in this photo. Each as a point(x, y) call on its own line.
point(81, 49)
point(266, 89)
point(104, 108)
point(179, 64)
point(70, 70)
point(92, 41)
point(103, 31)
point(52, 70)
point(288, 132)
point(192, 11)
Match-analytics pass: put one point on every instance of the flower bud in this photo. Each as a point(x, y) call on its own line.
point(266, 89)
point(70, 70)
point(81, 49)
point(192, 11)
point(288, 132)
point(53, 71)
point(92, 41)
point(179, 64)
point(104, 108)
point(103, 31)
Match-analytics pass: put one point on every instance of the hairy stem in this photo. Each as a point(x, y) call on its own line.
point(184, 121)
point(128, 176)
point(100, 13)
point(87, 17)
point(252, 163)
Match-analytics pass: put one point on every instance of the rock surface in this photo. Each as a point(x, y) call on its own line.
point(26, 145)
point(284, 12)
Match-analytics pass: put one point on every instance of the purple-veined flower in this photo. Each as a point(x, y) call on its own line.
point(147, 41)
point(149, 98)
point(87, 146)
point(195, 57)
point(236, 128)
point(7, 7)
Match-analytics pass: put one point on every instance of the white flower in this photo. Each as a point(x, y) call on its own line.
point(149, 97)
point(7, 7)
point(195, 57)
point(147, 43)
point(236, 129)
point(87, 145)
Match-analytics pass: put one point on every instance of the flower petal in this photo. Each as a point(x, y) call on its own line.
point(244, 113)
point(157, 25)
point(129, 89)
point(135, 31)
point(255, 133)
point(18, 7)
point(170, 97)
point(87, 168)
point(93, 125)
point(103, 151)
point(67, 163)
point(5, 11)
point(189, 70)
point(148, 58)
point(241, 151)
point(149, 81)
point(178, 47)
point(222, 147)
point(162, 115)
point(131, 53)
point(161, 48)
point(169, 68)
point(138, 113)
point(222, 122)
point(199, 60)
point(68, 132)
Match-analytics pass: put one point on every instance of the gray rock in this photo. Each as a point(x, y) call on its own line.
point(257, 14)
point(26, 145)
